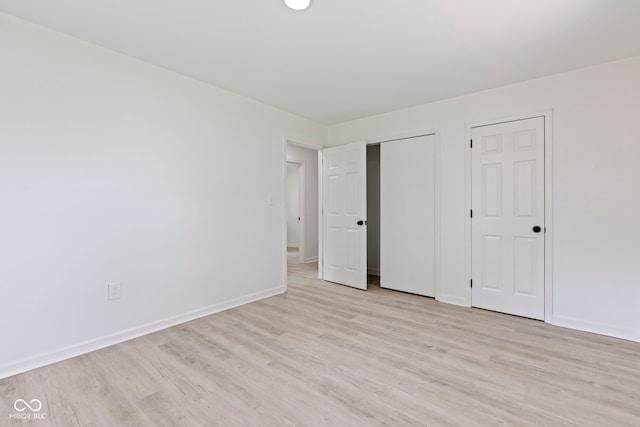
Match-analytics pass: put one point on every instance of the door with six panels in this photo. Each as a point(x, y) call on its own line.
point(344, 214)
point(507, 200)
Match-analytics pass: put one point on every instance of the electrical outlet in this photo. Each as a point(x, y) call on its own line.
point(114, 291)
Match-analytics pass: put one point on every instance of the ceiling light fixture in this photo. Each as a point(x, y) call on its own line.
point(297, 4)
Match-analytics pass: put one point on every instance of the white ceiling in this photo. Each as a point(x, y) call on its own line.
point(347, 59)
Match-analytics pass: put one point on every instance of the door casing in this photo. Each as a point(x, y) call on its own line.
point(548, 204)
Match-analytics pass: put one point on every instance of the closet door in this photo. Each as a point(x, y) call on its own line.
point(408, 215)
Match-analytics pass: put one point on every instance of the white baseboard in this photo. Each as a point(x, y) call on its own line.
point(452, 300)
point(373, 271)
point(74, 350)
point(293, 245)
point(596, 328)
point(311, 259)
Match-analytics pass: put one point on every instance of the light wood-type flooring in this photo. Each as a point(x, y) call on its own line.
point(328, 355)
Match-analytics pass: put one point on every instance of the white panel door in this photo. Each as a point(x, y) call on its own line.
point(408, 215)
point(507, 201)
point(344, 193)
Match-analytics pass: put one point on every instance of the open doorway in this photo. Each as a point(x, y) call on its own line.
point(373, 215)
point(301, 209)
point(294, 198)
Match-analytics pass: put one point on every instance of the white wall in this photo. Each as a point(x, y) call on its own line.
point(115, 170)
point(373, 209)
point(309, 159)
point(596, 185)
point(293, 205)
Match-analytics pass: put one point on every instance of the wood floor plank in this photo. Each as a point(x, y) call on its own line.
point(329, 355)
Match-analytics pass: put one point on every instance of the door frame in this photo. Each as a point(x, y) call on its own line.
point(548, 203)
point(302, 181)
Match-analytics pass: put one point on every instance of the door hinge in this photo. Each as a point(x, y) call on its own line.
point(471, 143)
point(471, 283)
point(471, 213)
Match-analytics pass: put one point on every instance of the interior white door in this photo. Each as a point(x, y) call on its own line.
point(408, 215)
point(344, 193)
point(507, 223)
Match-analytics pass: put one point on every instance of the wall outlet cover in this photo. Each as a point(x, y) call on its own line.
point(114, 291)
